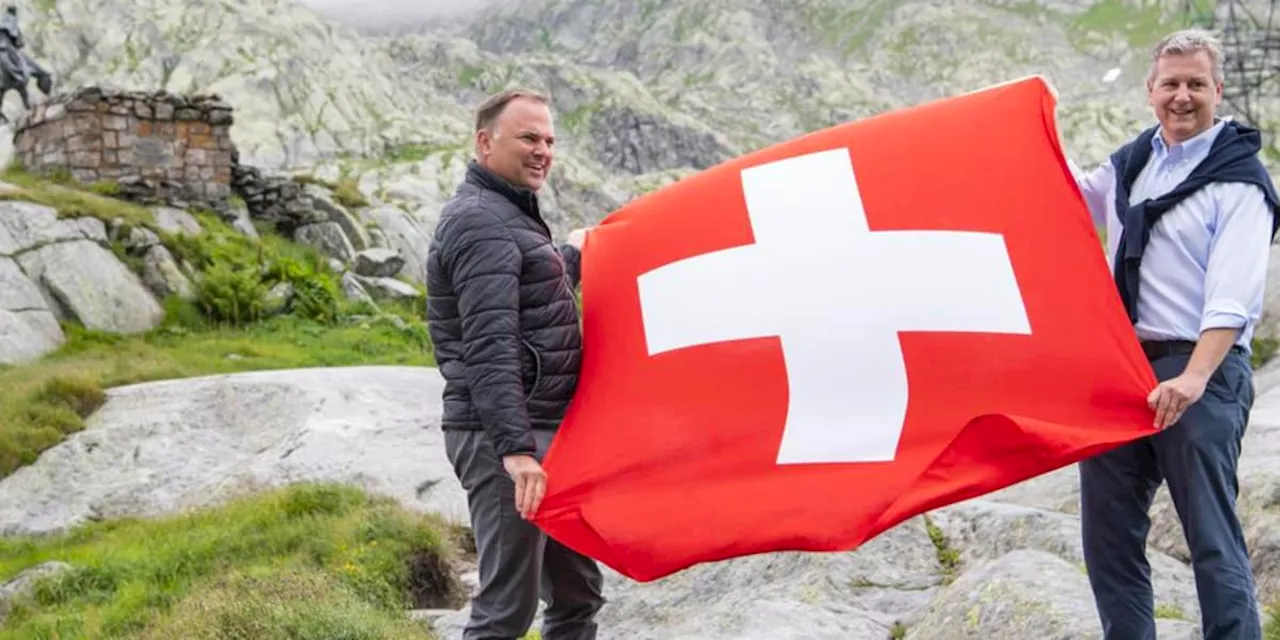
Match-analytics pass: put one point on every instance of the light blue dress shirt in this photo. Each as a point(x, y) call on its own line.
point(1205, 266)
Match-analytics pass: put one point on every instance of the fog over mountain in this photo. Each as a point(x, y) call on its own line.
point(395, 15)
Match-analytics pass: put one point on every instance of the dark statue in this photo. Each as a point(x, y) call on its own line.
point(16, 67)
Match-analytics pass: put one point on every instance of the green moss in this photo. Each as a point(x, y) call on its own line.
point(898, 631)
point(470, 76)
point(846, 29)
point(578, 119)
point(948, 557)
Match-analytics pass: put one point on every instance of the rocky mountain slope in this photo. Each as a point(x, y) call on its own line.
point(1006, 565)
point(376, 127)
point(645, 92)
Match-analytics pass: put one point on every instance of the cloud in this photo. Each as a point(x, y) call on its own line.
point(388, 10)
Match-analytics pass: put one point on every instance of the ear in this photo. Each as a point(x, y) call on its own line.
point(484, 142)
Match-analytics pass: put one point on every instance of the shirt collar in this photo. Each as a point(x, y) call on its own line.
point(1190, 148)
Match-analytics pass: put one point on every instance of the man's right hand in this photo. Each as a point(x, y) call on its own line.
point(531, 482)
point(577, 238)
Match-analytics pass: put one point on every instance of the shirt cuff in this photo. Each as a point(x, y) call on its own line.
point(1223, 314)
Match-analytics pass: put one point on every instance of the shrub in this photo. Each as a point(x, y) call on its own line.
point(234, 295)
point(315, 294)
point(77, 393)
point(239, 272)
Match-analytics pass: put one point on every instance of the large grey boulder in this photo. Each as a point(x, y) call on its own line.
point(404, 233)
point(54, 269)
point(819, 596)
point(26, 225)
point(28, 328)
point(322, 200)
point(88, 283)
point(159, 447)
point(23, 585)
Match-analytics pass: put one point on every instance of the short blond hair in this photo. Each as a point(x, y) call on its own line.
point(494, 105)
point(1185, 42)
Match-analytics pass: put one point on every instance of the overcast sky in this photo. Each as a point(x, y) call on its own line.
point(393, 8)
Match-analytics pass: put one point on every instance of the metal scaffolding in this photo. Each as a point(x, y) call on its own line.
point(1250, 32)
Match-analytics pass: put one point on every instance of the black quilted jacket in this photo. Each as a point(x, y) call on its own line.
point(501, 313)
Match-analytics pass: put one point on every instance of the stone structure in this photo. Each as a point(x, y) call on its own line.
point(158, 146)
point(278, 200)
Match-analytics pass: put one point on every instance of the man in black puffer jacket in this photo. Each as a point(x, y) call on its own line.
point(504, 321)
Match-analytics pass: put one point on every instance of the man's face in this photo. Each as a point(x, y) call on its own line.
point(1184, 94)
point(519, 146)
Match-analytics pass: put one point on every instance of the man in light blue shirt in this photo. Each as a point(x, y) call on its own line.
point(1190, 213)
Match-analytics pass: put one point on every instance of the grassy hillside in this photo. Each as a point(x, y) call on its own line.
point(309, 562)
point(231, 324)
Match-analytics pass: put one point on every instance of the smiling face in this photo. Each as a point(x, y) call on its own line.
point(1184, 94)
point(518, 145)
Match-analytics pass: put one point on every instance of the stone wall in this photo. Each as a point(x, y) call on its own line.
point(158, 146)
point(278, 200)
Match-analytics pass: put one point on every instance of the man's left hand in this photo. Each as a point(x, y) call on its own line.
point(1171, 398)
point(577, 238)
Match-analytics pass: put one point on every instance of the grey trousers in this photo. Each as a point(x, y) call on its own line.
point(1197, 456)
point(518, 562)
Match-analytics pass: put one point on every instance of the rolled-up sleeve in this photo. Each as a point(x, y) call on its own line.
point(1236, 274)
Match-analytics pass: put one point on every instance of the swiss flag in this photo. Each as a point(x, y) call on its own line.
point(802, 347)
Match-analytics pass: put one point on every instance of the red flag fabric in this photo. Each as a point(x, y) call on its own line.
point(802, 347)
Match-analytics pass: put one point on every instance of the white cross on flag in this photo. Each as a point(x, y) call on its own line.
point(804, 346)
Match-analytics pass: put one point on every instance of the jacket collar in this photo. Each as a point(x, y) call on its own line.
point(483, 178)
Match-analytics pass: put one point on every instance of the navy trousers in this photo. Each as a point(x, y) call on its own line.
point(1197, 456)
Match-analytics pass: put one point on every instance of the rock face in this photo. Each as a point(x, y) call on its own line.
point(643, 92)
point(157, 447)
point(1006, 565)
point(89, 284)
point(300, 86)
point(55, 269)
point(28, 328)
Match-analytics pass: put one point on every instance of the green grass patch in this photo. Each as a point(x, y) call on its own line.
point(346, 190)
point(73, 200)
point(1141, 22)
point(307, 561)
point(1271, 630)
